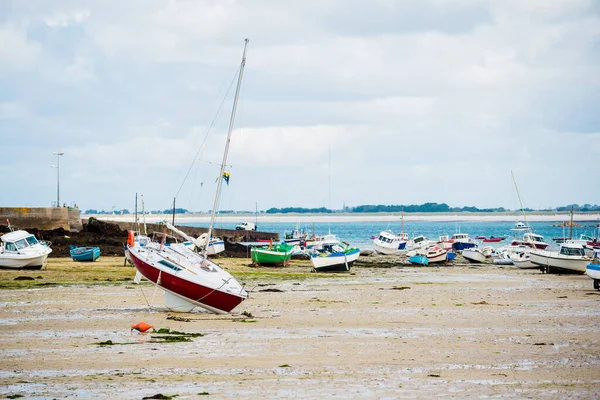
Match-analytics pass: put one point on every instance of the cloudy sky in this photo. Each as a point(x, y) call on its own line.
point(343, 101)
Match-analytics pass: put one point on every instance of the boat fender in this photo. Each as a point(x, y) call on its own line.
point(130, 238)
point(141, 326)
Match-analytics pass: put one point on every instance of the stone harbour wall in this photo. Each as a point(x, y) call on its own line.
point(43, 218)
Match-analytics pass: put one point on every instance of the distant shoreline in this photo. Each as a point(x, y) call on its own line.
point(354, 217)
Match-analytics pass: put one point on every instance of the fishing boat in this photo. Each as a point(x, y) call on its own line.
point(278, 254)
point(436, 254)
point(387, 242)
point(532, 240)
point(462, 241)
point(84, 253)
point(569, 258)
point(189, 278)
point(419, 259)
point(21, 250)
point(334, 258)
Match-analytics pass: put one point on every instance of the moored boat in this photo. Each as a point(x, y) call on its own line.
point(278, 254)
point(419, 259)
point(474, 255)
point(519, 226)
point(189, 278)
point(387, 242)
point(593, 271)
point(461, 241)
point(334, 258)
point(531, 240)
point(84, 253)
point(569, 258)
point(21, 250)
point(436, 254)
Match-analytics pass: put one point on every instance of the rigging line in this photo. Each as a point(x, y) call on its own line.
point(208, 130)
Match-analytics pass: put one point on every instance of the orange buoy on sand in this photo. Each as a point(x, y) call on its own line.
point(141, 326)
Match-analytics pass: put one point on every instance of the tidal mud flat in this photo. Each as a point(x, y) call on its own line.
point(400, 332)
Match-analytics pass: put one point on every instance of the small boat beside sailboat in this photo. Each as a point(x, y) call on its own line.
point(84, 253)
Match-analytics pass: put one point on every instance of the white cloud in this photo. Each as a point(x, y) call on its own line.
point(17, 52)
point(65, 19)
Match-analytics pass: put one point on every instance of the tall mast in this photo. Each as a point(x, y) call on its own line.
point(521, 203)
point(231, 120)
point(571, 225)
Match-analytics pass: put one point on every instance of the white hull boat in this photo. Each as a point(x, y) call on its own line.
point(387, 243)
point(21, 250)
point(337, 258)
point(436, 254)
point(474, 255)
point(522, 261)
point(570, 258)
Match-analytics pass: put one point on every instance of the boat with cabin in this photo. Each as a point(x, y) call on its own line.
point(520, 226)
point(569, 258)
point(462, 241)
point(21, 250)
point(532, 240)
point(387, 242)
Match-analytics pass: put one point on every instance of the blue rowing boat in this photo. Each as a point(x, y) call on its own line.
point(419, 259)
point(84, 253)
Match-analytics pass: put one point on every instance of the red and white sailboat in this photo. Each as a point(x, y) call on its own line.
point(188, 278)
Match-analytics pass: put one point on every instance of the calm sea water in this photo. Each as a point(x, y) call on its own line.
point(359, 233)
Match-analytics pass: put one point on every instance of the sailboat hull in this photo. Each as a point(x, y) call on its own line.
point(211, 299)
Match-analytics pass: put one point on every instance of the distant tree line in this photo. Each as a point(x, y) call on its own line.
point(300, 210)
point(423, 208)
point(577, 207)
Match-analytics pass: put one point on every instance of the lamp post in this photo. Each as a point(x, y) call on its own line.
point(57, 154)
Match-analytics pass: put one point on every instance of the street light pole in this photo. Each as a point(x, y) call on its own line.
point(57, 154)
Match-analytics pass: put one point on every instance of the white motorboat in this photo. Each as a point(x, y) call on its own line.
point(188, 278)
point(531, 240)
point(523, 261)
point(520, 226)
point(435, 254)
point(569, 258)
point(387, 242)
point(419, 242)
point(476, 255)
point(21, 250)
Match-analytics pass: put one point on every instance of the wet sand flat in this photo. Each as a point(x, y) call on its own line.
point(402, 332)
